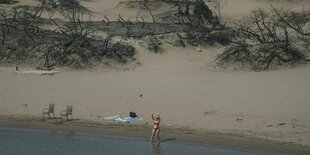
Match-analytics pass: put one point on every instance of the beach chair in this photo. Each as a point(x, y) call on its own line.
point(67, 113)
point(49, 111)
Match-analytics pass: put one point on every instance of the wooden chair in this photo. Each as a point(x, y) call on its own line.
point(49, 111)
point(67, 113)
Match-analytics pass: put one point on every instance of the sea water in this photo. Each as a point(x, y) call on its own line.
point(15, 141)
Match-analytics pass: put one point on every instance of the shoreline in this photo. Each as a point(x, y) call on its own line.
point(172, 133)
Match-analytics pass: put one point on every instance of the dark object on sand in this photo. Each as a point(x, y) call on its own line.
point(16, 68)
point(49, 111)
point(67, 113)
point(133, 114)
point(8, 1)
point(140, 94)
point(239, 119)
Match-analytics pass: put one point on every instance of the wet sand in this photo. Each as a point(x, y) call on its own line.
point(34, 141)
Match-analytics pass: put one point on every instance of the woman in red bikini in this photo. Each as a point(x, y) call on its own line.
point(156, 121)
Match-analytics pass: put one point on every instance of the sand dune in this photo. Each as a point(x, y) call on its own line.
point(233, 8)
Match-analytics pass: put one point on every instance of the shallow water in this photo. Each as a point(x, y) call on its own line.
point(15, 141)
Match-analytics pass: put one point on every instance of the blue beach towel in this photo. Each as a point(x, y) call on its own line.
point(127, 119)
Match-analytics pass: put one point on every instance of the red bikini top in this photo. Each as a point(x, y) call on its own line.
point(156, 122)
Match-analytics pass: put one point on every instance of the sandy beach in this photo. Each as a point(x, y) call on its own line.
point(273, 105)
point(268, 109)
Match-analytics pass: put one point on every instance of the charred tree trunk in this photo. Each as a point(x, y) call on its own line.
point(3, 36)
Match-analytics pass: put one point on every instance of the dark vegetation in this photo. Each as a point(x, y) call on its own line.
point(72, 44)
point(276, 38)
point(265, 39)
point(7, 1)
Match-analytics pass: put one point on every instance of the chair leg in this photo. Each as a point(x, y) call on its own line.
point(69, 118)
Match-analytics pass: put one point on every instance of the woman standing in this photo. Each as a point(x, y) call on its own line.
point(156, 121)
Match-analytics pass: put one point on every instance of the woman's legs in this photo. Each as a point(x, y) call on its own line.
point(152, 136)
point(157, 132)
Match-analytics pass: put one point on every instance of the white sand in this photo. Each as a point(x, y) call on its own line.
point(178, 85)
